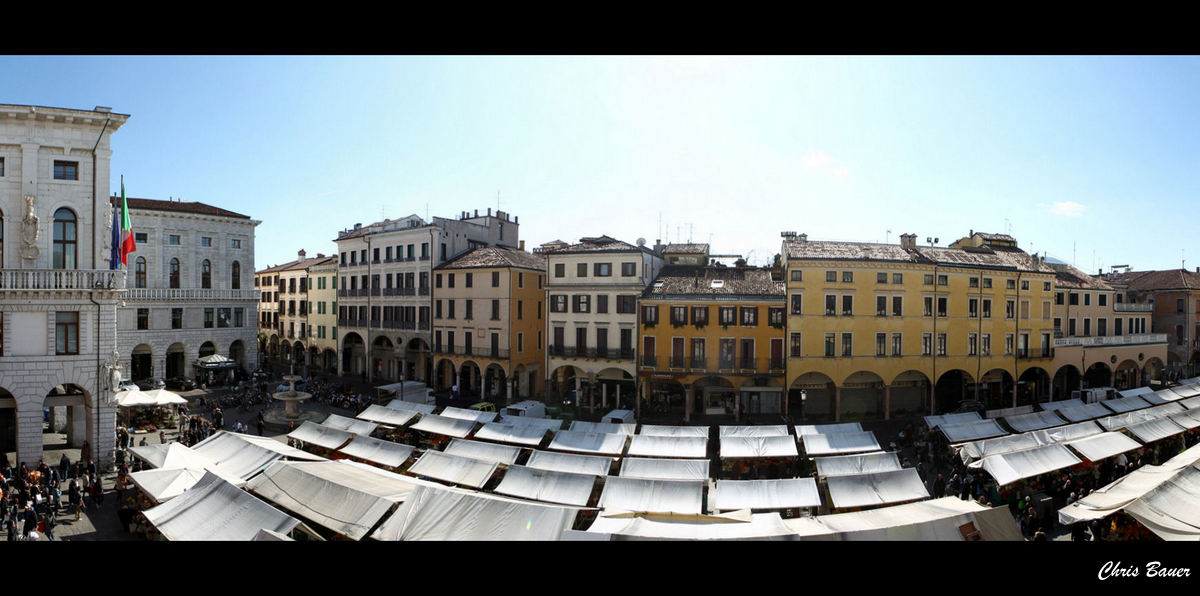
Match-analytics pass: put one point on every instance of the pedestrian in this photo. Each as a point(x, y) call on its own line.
point(31, 521)
point(939, 487)
point(48, 522)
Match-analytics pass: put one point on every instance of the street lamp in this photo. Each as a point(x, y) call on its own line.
point(803, 398)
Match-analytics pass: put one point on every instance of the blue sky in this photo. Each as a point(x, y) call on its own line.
point(1089, 158)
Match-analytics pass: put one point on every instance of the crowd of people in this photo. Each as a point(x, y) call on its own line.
point(31, 500)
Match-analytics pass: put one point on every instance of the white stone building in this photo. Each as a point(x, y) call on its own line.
point(58, 297)
point(189, 288)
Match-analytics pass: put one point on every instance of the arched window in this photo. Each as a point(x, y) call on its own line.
point(64, 239)
point(139, 272)
point(235, 276)
point(205, 274)
point(174, 275)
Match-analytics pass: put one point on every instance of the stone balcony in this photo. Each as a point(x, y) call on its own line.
point(1112, 340)
point(190, 294)
point(60, 280)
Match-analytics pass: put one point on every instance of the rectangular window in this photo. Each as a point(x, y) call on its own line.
point(897, 306)
point(972, 340)
point(1010, 284)
point(520, 342)
point(649, 315)
point(602, 269)
point(208, 318)
point(1058, 298)
point(1102, 327)
point(1010, 309)
point(496, 310)
point(520, 280)
point(881, 306)
point(679, 315)
point(847, 305)
point(972, 308)
point(1045, 286)
point(141, 237)
point(987, 344)
point(173, 239)
point(467, 283)
point(143, 318)
point(1024, 285)
point(66, 170)
point(830, 305)
point(796, 345)
point(628, 269)
point(941, 305)
point(1008, 344)
point(897, 278)
point(847, 277)
point(1087, 327)
point(829, 345)
point(699, 316)
point(881, 344)
point(1116, 326)
point(831, 276)
point(847, 344)
point(897, 344)
point(987, 308)
point(176, 318)
point(1087, 300)
point(749, 316)
point(728, 315)
point(626, 305)
point(929, 279)
point(926, 344)
point(449, 309)
point(580, 303)
point(496, 279)
point(943, 280)
point(1102, 299)
point(987, 283)
point(796, 303)
point(66, 333)
point(941, 344)
point(558, 303)
point(881, 277)
point(602, 304)
point(797, 275)
point(560, 270)
point(973, 282)
point(775, 316)
point(581, 270)
point(927, 306)
point(450, 280)
point(206, 241)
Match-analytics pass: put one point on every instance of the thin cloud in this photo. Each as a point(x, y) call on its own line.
point(815, 160)
point(1067, 209)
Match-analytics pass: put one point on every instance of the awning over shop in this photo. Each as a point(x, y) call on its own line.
point(547, 486)
point(1125, 404)
point(758, 446)
point(1154, 430)
point(972, 431)
point(356, 427)
point(151, 398)
point(1033, 421)
point(571, 463)
point(853, 465)
point(384, 453)
point(489, 452)
point(1189, 419)
point(754, 431)
point(767, 494)
point(441, 425)
point(839, 443)
point(468, 414)
point(664, 469)
point(1084, 412)
point(876, 488)
point(1126, 489)
point(1135, 391)
point(608, 428)
point(216, 362)
point(1054, 406)
point(946, 419)
point(585, 442)
point(1103, 445)
point(217, 510)
point(320, 435)
point(388, 416)
point(829, 429)
point(1172, 509)
point(531, 436)
point(171, 455)
point(443, 513)
point(544, 424)
point(659, 430)
point(410, 406)
point(653, 446)
point(642, 494)
point(1007, 468)
point(453, 469)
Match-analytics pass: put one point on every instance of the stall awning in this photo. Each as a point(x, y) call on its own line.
point(385, 453)
point(441, 425)
point(1126, 489)
point(664, 469)
point(828, 429)
point(853, 465)
point(543, 424)
point(1161, 396)
point(468, 414)
point(1154, 430)
point(976, 450)
point(151, 398)
point(839, 443)
point(759, 526)
point(1007, 468)
point(171, 455)
point(1125, 404)
point(1033, 421)
point(1172, 509)
point(754, 431)
point(361, 428)
point(652, 446)
point(1103, 445)
point(947, 419)
point(660, 430)
point(489, 452)
point(388, 416)
point(1119, 421)
point(547, 486)
point(1186, 391)
point(217, 510)
point(1084, 412)
point(1135, 391)
point(245, 455)
point(641, 494)
point(453, 469)
point(1070, 432)
point(531, 436)
point(320, 435)
point(216, 362)
point(972, 431)
point(1054, 406)
point(569, 462)
point(876, 488)
point(609, 428)
point(583, 442)
point(166, 484)
point(443, 514)
point(767, 494)
point(1189, 419)
point(761, 446)
point(1191, 403)
point(410, 406)
point(936, 519)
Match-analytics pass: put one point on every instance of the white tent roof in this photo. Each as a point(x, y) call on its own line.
point(321, 435)
point(1186, 390)
point(1053, 406)
point(341, 497)
point(945, 419)
point(610, 428)
point(361, 428)
point(936, 519)
point(1189, 419)
point(618, 414)
point(217, 510)
point(550, 424)
point(660, 430)
point(531, 435)
point(411, 406)
point(759, 446)
point(1154, 430)
point(601, 443)
point(457, 470)
point(654, 446)
point(1126, 489)
point(388, 416)
point(490, 452)
point(1084, 412)
point(643, 494)
point(1007, 468)
point(852, 465)
point(876, 488)
point(443, 513)
point(766, 494)
point(269, 536)
point(1191, 403)
point(1098, 447)
point(754, 431)
point(1135, 391)
point(468, 414)
point(216, 359)
point(1161, 396)
point(1172, 509)
point(664, 469)
point(547, 486)
point(839, 443)
point(441, 425)
point(166, 484)
point(972, 431)
point(1069, 432)
point(1006, 412)
point(1033, 421)
point(758, 526)
point(571, 463)
point(171, 455)
point(238, 441)
point(155, 397)
point(828, 429)
point(1125, 404)
point(386, 453)
point(1119, 421)
point(243, 456)
point(975, 450)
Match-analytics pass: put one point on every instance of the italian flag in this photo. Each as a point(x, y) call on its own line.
point(127, 243)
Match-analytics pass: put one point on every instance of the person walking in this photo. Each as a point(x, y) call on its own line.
point(31, 521)
point(48, 522)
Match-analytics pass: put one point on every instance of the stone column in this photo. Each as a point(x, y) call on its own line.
point(689, 392)
point(837, 404)
point(604, 397)
point(887, 402)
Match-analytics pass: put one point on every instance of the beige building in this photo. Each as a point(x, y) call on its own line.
point(285, 329)
point(322, 315)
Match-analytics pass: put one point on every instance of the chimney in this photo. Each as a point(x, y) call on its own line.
point(489, 211)
point(908, 241)
point(476, 213)
point(320, 256)
point(301, 253)
point(803, 237)
point(521, 244)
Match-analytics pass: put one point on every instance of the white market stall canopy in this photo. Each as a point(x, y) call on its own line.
point(1006, 412)
point(154, 397)
point(1154, 430)
point(976, 450)
point(839, 443)
point(759, 526)
point(443, 513)
point(571, 463)
point(1084, 412)
point(876, 488)
point(1033, 421)
point(171, 455)
point(662, 496)
point(544, 424)
point(269, 536)
point(166, 484)
point(623, 415)
point(829, 429)
point(653, 446)
point(243, 456)
point(610, 428)
point(1189, 419)
point(1007, 468)
point(1172, 509)
point(1125, 404)
point(664, 469)
point(217, 510)
point(547, 486)
point(754, 431)
point(1103, 445)
point(441, 425)
point(935, 519)
point(531, 436)
point(489, 452)
point(390, 417)
point(1191, 403)
point(469, 414)
point(584, 442)
point(1054, 406)
point(410, 406)
point(1070, 432)
point(1126, 489)
point(1186, 390)
point(384, 453)
point(766, 494)
point(1119, 421)
point(853, 465)
point(453, 469)
point(216, 360)
point(1161, 396)
point(945, 419)
point(758, 446)
point(972, 431)
point(661, 430)
point(1135, 391)
point(320, 435)
point(361, 428)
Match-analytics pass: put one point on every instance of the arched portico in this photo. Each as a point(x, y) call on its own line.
point(812, 398)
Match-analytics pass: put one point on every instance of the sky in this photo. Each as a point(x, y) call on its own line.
point(1088, 159)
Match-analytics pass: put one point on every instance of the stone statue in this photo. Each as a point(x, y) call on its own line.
point(30, 229)
point(108, 229)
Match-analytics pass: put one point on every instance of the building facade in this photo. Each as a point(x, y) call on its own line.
point(1175, 298)
point(322, 315)
point(285, 326)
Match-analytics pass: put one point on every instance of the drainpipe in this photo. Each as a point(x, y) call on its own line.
point(91, 295)
point(95, 206)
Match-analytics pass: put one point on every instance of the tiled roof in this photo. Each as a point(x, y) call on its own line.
point(177, 206)
point(597, 244)
point(298, 264)
point(700, 249)
point(367, 229)
point(694, 280)
point(496, 256)
point(851, 251)
point(1067, 276)
point(1170, 279)
point(984, 257)
point(1001, 237)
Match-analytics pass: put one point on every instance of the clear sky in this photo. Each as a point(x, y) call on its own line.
point(1091, 159)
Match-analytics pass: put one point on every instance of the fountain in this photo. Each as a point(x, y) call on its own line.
point(291, 416)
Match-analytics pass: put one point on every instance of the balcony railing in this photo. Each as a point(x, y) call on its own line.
point(190, 294)
point(677, 361)
point(1133, 307)
point(649, 360)
point(408, 292)
point(61, 279)
point(343, 292)
point(423, 290)
point(423, 326)
point(1112, 340)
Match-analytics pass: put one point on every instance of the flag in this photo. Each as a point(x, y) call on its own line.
point(127, 243)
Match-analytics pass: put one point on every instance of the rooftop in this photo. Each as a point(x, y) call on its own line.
point(175, 206)
point(1067, 276)
point(699, 249)
point(496, 256)
point(967, 256)
point(298, 264)
point(692, 280)
point(1170, 279)
point(592, 244)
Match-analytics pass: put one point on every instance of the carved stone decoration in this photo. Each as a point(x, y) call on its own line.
point(108, 229)
point(30, 230)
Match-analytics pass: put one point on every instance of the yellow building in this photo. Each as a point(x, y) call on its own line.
point(711, 342)
point(488, 318)
point(882, 329)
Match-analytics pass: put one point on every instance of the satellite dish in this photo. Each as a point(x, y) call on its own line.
point(641, 242)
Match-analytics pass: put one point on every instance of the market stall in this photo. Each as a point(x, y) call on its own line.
point(569, 462)
point(831, 429)
point(215, 367)
point(655, 446)
point(544, 424)
point(759, 526)
point(1172, 509)
point(1104, 445)
point(548, 486)
point(1054, 406)
point(1125, 404)
point(171, 455)
point(789, 494)
point(217, 510)
point(453, 469)
point(1191, 403)
point(585, 442)
point(664, 469)
point(1084, 412)
point(468, 414)
point(780, 430)
point(1116, 495)
point(359, 428)
point(489, 452)
point(854, 465)
point(611, 428)
point(1161, 396)
point(948, 419)
point(230, 448)
point(528, 436)
point(1150, 431)
point(437, 430)
point(971, 431)
point(148, 411)
point(839, 443)
point(944, 519)
point(644, 494)
point(444, 513)
point(164, 485)
point(758, 457)
point(409, 406)
point(662, 430)
point(1033, 421)
point(387, 416)
point(876, 488)
point(1007, 468)
point(377, 451)
point(317, 436)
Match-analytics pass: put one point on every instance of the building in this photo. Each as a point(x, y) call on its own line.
point(189, 293)
point(592, 290)
point(1175, 296)
point(384, 296)
point(488, 324)
point(882, 329)
point(322, 315)
point(286, 301)
point(1100, 338)
point(712, 342)
point(58, 295)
